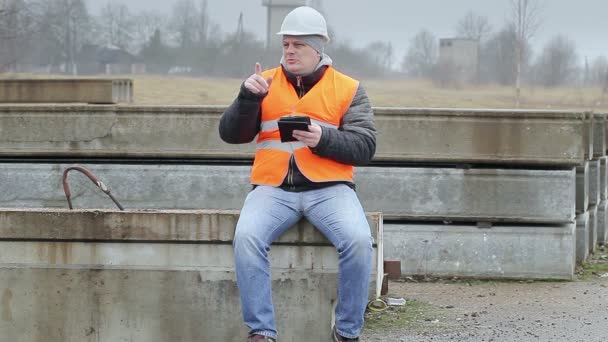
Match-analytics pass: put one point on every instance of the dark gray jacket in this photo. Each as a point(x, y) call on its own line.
point(353, 143)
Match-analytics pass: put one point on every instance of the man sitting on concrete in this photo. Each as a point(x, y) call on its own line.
point(311, 176)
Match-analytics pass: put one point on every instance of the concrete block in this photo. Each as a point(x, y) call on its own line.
point(66, 90)
point(582, 188)
point(152, 276)
point(594, 182)
point(456, 136)
point(602, 231)
point(582, 237)
point(593, 222)
point(415, 193)
point(192, 226)
point(603, 178)
point(599, 135)
point(98, 304)
point(588, 138)
point(528, 252)
point(469, 194)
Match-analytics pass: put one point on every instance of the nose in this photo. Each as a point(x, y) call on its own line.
point(289, 49)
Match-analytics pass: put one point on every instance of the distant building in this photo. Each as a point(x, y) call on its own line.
point(277, 10)
point(459, 57)
point(108, 60)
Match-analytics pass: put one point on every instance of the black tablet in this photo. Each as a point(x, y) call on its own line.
point(288, 124)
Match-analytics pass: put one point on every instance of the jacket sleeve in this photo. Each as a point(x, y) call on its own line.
point(240, 123)
point(354, 142)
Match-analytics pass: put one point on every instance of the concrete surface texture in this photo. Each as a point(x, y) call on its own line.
point(151, 276)
point(412, 192)
point(583, 226)
point(582, 187)
point(603, 178)
point(588, 137)
point(66, 90)
point(513, 251)
point(470, 136)
point(602, 231)
point(592, 228)
point(599, 135)
point(594, 182)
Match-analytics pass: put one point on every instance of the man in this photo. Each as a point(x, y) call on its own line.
point(311, 177)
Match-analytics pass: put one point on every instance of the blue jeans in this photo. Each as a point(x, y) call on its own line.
point(267, 213)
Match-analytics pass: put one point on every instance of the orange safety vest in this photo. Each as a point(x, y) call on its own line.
point(325, 104)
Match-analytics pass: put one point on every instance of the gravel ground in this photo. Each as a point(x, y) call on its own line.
point(497, 311)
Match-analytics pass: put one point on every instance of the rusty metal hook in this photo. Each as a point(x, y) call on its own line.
point(95, 180)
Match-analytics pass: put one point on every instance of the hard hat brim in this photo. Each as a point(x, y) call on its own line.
point(300, 33)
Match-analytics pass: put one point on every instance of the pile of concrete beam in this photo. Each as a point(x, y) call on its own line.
point(591, 197)
point(66, 90)
point(478, 193)
point(138, 275)
point(109, 275)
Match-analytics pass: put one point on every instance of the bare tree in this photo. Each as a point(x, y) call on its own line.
point(381, 54)
point(604, 79)
point(117, 25)
point(525, 18)
point(473, 26)
point(19, 22)
point(146, 24)
point(204, 23)
point(598, 70)
point(185, 22)
point(558, 62)
point(68, 26)
point(497, 60)
point(421, 55)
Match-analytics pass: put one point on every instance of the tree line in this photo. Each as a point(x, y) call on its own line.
point(51, 34)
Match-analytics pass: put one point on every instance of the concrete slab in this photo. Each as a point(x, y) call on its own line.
point(418, 193)
point(603, 178)
point(66, 90)
point(469, 136)
point(599, 135)
point(518, 252)
point(96, 304)
point(594, 182)
point(593, 228)
point(150, 276)
point(582, 188)
point(194, 226)
point(582, 237)
point(588, 135)
point(602, 231)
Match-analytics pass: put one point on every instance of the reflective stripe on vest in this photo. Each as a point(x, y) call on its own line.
point(325, 104)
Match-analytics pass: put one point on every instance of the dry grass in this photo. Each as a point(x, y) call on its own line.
point(178, 90)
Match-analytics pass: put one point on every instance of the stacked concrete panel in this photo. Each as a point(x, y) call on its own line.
point(451, 169)
point(405, 135)
point(595, 182)
point(104, 275)
point(66, 90)
point(414, 193)
point(602, 232)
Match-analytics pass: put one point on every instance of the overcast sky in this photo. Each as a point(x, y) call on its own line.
point(363, 21)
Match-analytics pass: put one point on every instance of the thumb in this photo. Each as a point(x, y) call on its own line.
point(269, 81)
point(258, 68)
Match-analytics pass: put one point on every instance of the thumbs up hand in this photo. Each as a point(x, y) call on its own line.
point(256, 83)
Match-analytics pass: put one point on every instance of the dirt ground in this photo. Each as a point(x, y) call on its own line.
point(473, 310)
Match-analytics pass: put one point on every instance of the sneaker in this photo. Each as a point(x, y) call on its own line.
point(335, 337)
point(259, 338)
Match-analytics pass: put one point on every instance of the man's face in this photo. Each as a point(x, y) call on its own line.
point(298, 57)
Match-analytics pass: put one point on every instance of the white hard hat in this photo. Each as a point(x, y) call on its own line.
point(303, 21)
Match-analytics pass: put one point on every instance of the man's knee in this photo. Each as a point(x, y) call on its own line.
point(246, 241)
point(359, 242)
